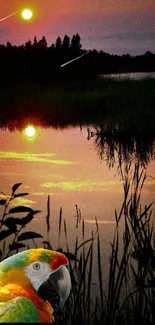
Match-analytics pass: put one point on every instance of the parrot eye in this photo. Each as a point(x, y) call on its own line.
point(36, 266)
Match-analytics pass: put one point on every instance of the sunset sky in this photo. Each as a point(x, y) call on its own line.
point(114, 26)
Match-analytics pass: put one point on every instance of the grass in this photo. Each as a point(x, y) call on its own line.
point(130, 297)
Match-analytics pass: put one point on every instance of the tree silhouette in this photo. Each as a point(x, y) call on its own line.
point(76, 42)
point(66, 42)
point(52, 46)
point(9, 45)
point(28, 45)
point(58, 43)
point(149, 53)
point(35, 41)
point(38, 61)
point(43, 43)
point(21, 48)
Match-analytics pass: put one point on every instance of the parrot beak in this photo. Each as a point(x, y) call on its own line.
point(56, 288)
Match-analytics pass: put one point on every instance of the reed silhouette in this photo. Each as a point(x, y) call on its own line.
point(130, 295)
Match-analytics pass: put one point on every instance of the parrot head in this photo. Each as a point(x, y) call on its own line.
point(41, 270)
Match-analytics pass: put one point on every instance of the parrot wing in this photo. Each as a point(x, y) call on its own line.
point(18, 310)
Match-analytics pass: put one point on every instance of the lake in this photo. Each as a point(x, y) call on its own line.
point(66, 165)
point(84, 169)
point(130, 76)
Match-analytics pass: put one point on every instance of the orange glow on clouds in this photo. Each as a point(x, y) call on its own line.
point(82, 185)
point(103, 222)
point(33, 157)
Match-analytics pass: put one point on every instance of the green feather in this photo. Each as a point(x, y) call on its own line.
point(15, 311)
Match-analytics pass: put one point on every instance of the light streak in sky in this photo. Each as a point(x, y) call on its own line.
point(26, 14)
point(14, 13)
point(62, 65)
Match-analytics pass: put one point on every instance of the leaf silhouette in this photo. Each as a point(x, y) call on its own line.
point(20, 209)
point(20, 194)
point(70, 256)
point(6, 233)
point(15, 186)
point(2, 202)
point(33, 212)
point(14, 246)
point(29, 235)
point(60, 250)
point(9, 222)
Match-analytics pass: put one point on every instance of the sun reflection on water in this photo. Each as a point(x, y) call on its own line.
point(30, 132)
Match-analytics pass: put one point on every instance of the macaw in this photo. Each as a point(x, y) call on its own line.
point(32, 284)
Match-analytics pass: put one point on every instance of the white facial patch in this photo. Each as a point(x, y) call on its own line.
point(37, 273)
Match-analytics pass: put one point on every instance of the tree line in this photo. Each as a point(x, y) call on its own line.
point(36, 60)
point(67, 43)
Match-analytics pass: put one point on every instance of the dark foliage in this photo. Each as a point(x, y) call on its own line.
point(38, 61)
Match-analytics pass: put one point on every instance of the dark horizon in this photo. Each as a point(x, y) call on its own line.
point(36, 61)
point(49, 45)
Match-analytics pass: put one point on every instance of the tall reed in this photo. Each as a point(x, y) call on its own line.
point(130, 297)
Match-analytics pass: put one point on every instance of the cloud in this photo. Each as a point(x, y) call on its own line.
point(22, 201)
point(34, 157)
point(4, 196)
point(104, 222)
point(44, 193)
point(17, 201)
point(139, 36)
point(11, 174)
point(82, 185)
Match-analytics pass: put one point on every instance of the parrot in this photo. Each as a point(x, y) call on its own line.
point(33, 284)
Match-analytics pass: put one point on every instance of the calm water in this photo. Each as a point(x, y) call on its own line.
point(131, 76)
point(67, 166)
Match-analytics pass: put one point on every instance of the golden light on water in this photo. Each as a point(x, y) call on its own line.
point(30, 131)
point(27, 14)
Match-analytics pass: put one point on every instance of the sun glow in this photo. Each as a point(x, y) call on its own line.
point(30, 131)
point(27, 14)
